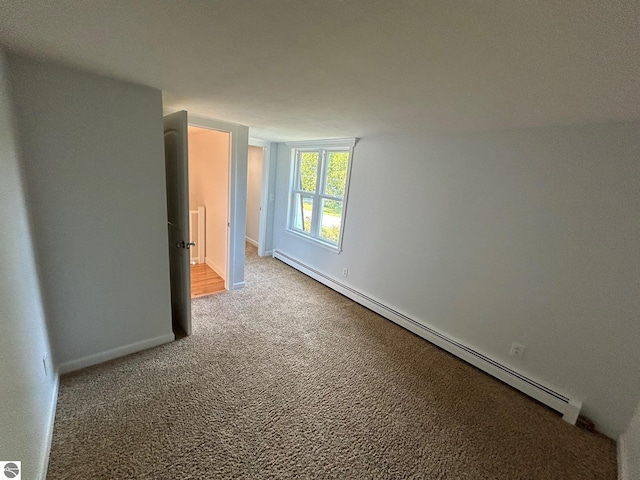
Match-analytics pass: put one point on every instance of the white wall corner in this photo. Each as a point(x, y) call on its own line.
point(215, 268)
point(251, 241)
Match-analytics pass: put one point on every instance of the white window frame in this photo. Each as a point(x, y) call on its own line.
point(323, 147)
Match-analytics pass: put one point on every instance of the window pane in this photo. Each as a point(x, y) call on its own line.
point(302, 212)
point(331, 220)
point(309, 171)
point(337, 163)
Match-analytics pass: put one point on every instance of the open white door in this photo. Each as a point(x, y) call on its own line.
point(177, 178)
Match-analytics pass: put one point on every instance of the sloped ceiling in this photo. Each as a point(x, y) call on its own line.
point(298, 69)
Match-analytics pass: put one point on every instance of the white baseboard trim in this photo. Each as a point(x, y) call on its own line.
point(268, 253)
point(623, 454)
point(620, 454)
point(570, 408)
point(215, 268)
point(238, 285)
point(72, 365)
point(52, 420)
point(251, 241)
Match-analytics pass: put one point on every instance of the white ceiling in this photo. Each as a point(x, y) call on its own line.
point(298, 69)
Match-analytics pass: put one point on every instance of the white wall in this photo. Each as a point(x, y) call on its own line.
point(209, 185)
point(197, 170)
point(254, 189)
point(526, 235)
point(94, 168)
point(27, 395)
point(238, 204)
point(197, 187)
point(629, 449)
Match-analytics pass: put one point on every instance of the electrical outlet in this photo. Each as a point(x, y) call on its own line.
point(345, 272)
point(44, 365)
point(517, 350)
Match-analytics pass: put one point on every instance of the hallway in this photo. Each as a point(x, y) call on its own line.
point(204, 281)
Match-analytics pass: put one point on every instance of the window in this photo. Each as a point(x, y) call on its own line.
point(319, 186)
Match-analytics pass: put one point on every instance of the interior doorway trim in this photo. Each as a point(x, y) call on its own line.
point(265, 197)
point(237, 205)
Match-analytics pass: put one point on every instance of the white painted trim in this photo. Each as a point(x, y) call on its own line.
point(201, 233)
point(238, 285)
point(315, 231)
point(251, 241)
point(329, 143)
point(317, 242)
point(52, 420)
point(72, 365)
point(570, 408)
point(268, 254)
point(192, 258)
point(256, 142)
point(571, 411)
point(235, 218)
point(624, 454)
point(199, 213)
point(212, 124)
point(621, 454)
point(264, 193)
point(216, 269)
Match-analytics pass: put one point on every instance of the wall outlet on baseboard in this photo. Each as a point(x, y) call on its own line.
point(44, 365)
point(517, 350)
point(345, 272)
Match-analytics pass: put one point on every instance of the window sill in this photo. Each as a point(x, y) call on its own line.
point(314, 241)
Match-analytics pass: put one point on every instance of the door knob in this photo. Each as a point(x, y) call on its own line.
point(185, 245)
point(190, 244)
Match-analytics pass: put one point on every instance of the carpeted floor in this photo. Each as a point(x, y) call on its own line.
point(287, 379)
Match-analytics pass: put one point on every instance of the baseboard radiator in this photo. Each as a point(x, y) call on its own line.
point(569, 408)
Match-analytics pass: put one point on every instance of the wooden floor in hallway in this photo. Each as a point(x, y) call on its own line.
point(204, 281)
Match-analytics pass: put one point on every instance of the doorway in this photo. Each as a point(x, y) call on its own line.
point(260, 196)
point(209, 159)
point(177, 181)
point(255, 164)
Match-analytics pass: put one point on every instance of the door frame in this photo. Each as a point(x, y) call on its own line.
point(237, 201)
point(264, 194)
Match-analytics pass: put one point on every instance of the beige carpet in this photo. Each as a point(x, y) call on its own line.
point(288, 379)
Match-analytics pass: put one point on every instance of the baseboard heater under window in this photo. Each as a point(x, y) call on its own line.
point(570, 408)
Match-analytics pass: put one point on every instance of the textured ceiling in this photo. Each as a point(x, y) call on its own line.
point(295, 69)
